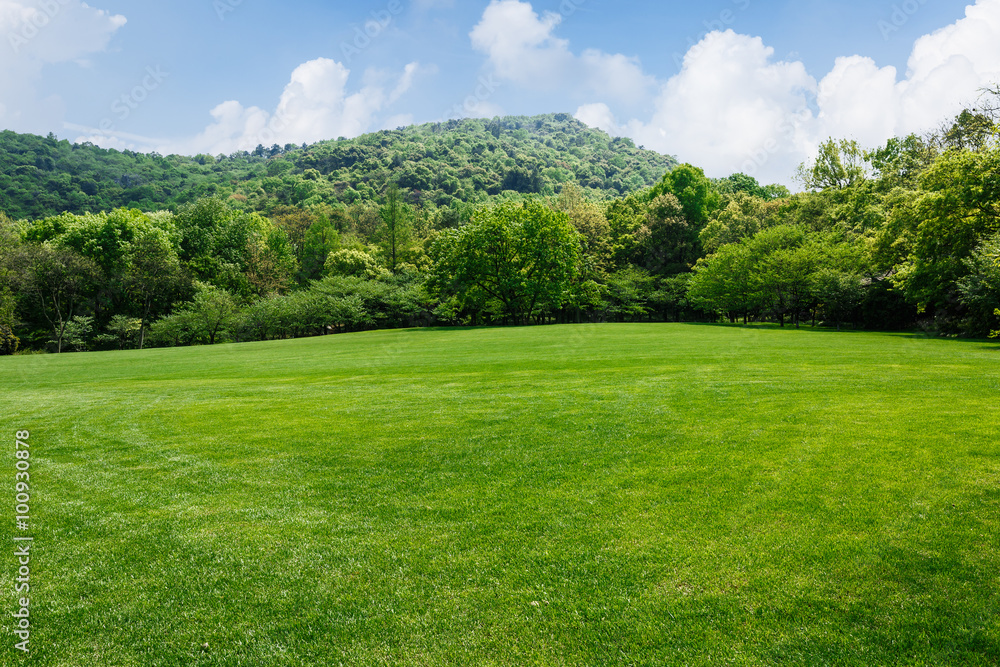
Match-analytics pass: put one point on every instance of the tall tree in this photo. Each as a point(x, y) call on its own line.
point(668, 243)
point(839, 164)
point(695, 192)
point(153, 279)
point(743, 216)
point(958, 209)
point(519, 256)
point(213, 312)
point(56, 281)
point(727, 282)
point(396, 226)
point(590, 221)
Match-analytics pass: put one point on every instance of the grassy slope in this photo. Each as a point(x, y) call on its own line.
point(635, 494)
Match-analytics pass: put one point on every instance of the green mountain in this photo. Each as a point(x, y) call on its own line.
point(439, 164)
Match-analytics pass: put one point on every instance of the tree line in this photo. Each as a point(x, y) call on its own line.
point(901, 236)
point(438, 165)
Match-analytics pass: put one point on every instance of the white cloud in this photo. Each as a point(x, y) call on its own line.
point(522, 47)
point(599, 115)
point(730, 105)
point(315, 105)
point(35, 33)
point(734, 108)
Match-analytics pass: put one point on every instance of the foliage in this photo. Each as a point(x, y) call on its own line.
point(76, 334)
point(694, 191)
point(839, 165)
point(54, 281)
point(512, 221)
point(353, 262)
point(741, 216)
point(957, 208)
point(8, 341)
point(726, 282)
point(235, 250)
point(395, 233)
point(511, 260)
point(627, 295)
point(122, 332)
point(979, 290)
point(437, 164)
point(209, 317)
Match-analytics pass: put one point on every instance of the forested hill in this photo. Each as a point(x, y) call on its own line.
point(440, 165)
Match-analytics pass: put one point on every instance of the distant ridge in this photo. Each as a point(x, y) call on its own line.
point(439, 164)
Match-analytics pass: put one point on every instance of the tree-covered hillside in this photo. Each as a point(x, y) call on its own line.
point(462, 224)
point(439, 165)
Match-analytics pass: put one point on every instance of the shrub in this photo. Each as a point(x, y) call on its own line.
point(8, 341)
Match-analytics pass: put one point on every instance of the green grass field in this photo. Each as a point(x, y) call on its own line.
point(578, 495)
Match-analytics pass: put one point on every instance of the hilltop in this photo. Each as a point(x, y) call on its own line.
point(440, 164)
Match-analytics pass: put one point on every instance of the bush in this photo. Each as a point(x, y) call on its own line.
point(8, 341)
point(353, 263)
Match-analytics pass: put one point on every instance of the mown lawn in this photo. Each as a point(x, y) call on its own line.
point(577, 495)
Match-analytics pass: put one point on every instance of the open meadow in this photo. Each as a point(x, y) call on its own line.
point(641, 494)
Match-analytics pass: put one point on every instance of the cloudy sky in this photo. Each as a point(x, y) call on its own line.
point(729, 85)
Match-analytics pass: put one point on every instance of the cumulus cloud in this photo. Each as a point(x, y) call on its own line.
point(36, 33)
point(730, 102)
point(316, 104)
point(733, 107)
point(522, 48)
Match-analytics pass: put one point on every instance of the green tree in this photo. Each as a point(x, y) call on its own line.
point(56, 281)
point(353, 262)
point(901, 161)
point(840, 293)
point(233, 249)
point(8, 341)
point(695, 192)
point(321, 239)
point(10, 240)
point(76, 334)
point(154, 277)
point(519, 256)
point(970, 131)
point(958, 209)
point(785, 262)
point(590, 221)
point(269, 263)
point(742, 217)
point(839, 165)
point(668, 243)
point(627, 295)
point(979, 290)
point(727, 283)
point(122, 331)
point(212, 312)
point(395, 234)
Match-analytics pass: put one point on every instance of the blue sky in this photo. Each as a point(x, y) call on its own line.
point(730, 85)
